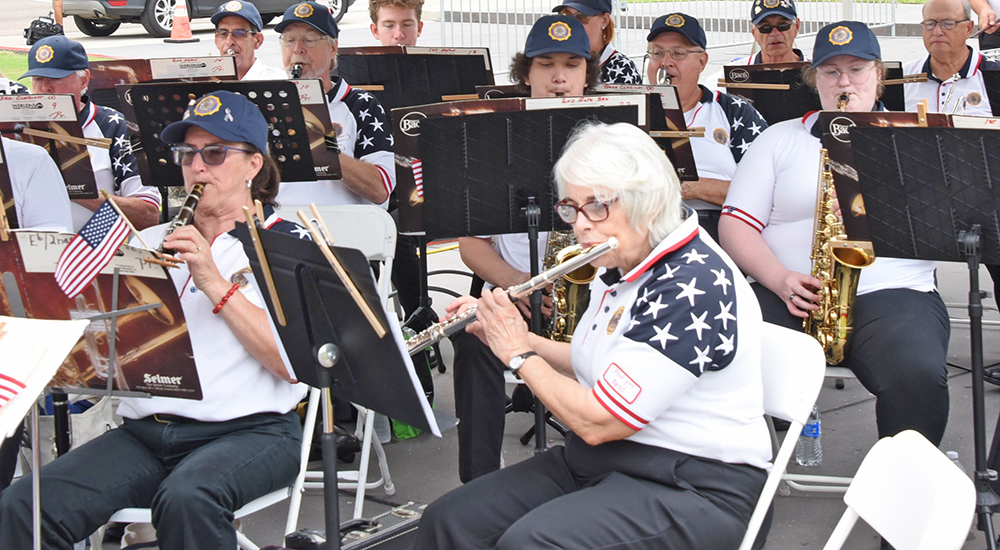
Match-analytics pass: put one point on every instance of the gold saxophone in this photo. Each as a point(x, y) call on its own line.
point(570, 292)
point(837, 263)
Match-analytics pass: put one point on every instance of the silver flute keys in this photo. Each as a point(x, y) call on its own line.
point(442, 330)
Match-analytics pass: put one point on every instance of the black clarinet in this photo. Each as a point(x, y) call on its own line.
point(184, 217)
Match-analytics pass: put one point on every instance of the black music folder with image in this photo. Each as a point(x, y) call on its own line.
point(373, 372)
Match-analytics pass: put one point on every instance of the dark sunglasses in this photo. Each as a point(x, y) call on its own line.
point(766, 28)
point(213, 155)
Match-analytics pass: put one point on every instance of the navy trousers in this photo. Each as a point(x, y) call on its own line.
point(193, 475)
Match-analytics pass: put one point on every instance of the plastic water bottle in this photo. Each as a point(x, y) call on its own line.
point(808, 451)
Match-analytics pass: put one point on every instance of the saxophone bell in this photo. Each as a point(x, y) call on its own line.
point(296, 70)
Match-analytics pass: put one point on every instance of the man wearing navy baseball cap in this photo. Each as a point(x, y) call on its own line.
point(676, 50)
point(309, 50)
point(595, 15)
point(58, 65)
point(238, 27)
point(556, 60)
point(775, 26)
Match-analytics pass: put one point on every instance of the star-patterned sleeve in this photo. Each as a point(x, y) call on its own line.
point(374, 139)
point(123, 165)
point(683, 325)
point(744, 121)
point(619, 69)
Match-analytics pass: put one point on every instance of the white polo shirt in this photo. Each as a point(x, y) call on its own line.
point(774, 191)
point(359, 122)
point(731, 124)
point(40, 196)
point(260, 71)
point(672, 349)
point(233, 383)
point(962, 93)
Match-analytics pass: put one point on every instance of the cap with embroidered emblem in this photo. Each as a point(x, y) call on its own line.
point(225, 115)
point(845, 38)
point(586, 7)
point(315, 15)
point(557, 34)
point(681, 23)
point(56, 57)
point(246, 10)
point(762, 8)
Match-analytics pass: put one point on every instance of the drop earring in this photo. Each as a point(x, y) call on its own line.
point(249, 183)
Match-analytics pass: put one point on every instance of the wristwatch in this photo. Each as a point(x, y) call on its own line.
point(515, 362)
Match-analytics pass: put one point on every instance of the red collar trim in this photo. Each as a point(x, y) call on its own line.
point(91, 116)
point(807, 115)
point(650, 262)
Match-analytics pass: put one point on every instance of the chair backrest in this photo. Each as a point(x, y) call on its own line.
point(792, 365)
point(367, 228)
point(912, 494)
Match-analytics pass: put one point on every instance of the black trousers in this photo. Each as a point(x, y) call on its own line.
point(898, 352)
point(480, 401)
point(612, 496)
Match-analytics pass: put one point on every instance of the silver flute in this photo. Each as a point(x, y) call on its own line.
point(442, 330)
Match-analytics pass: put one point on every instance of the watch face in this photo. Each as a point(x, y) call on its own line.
point(515, 362)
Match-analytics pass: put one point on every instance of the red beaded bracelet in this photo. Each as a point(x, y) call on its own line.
point(225, 299)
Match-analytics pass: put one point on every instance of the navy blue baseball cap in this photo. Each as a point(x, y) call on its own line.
point(845, 38)
point(681, 23)
point(557, 34)
point(586, 7)
point(762, 8)
point(56, 57)
point(225, 115)
point(246, 10)
point(310, 13)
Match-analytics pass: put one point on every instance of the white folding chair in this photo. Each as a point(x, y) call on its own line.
point(371, 230)
point(811, 483)
point(792, 366)
point(911, 494)
point(294, 491)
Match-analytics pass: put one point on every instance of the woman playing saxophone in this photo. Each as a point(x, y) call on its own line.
point(900, 329)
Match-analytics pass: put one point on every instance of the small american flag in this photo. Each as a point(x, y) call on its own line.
point(90, 250)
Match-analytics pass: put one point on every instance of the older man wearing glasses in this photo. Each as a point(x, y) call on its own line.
point(676, 52)
point(309, 50)
point(238, 33)
point(954, 70)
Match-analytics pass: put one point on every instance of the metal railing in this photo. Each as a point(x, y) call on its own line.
point(502, 25)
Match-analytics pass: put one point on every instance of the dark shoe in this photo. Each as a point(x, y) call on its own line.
point(347, 444)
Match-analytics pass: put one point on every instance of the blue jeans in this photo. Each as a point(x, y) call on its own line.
point(193, 475)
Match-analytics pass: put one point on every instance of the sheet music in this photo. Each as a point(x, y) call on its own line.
point(536, 104)
point(41, 251)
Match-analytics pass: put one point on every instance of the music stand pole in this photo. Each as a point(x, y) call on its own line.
point(985, 498)
point(534, 215)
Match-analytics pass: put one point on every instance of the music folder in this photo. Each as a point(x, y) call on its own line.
point(776, 90)
point(373, 372)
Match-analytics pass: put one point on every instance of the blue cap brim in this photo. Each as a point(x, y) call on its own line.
point(582, 8)
point(661, 30)
point(49, 72)
point(760, 17)
point(220, 15)
point(280, 27)
point(819, 61)
point(554, 49)
point(175, 132)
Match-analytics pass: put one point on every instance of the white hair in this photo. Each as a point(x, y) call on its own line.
point(620, 161)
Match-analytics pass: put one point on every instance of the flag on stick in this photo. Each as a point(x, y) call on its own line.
point(90, 250)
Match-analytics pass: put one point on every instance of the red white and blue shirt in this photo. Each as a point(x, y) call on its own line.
point(962, 93)
point(731, 124)
point(115, 169)
point(359, 122)
point(617, 68)
point(672, 349)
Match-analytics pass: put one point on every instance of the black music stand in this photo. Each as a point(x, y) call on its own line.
point(934, 194)
point(501, 182)
point(331, 345)
point(760, 85)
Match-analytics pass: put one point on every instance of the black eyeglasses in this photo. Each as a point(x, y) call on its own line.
point(946, 24)
point(766, 28)
point(238, 34)
point(594, 211)
point(213, 155)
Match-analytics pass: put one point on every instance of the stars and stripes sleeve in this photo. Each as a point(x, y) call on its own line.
point(683, 325)
point(373, 143)
point(745, 123)
point(620, 70)
point(123, 164)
